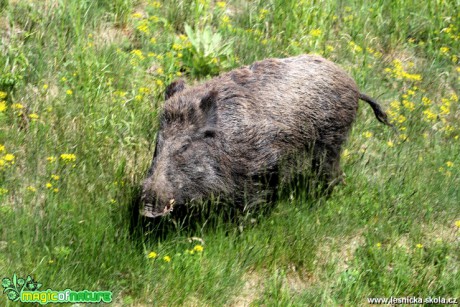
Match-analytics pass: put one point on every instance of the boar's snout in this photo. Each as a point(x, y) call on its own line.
point(155, 204)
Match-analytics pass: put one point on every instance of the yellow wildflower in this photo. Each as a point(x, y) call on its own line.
point(221, 4)
point(448, 128)
point(3, 106)
point(397, 64)
point(68, 157)
point(198, 248)
point(33, 116)
point(355, 47)
point(144, 90)
point(367, 134)
point(379, 245)
point(444, 50)
point(419, 245)
point(159, 82)
point(55, 177)
point(2, 147)
point(167, 259)
point(138, 53)
point(390, 144)
point(153, 40)
point(412, 77)
point(3, 191)
point(17, 106)
point(154, 18)
point(48, 185)
point(315, 32)
point(136, 15)
point(144, 27)
point(69, 92)
point(55, 190)
point(395, 105)
point(152, 255)
point(426, 101)
point(9, 158)
point(401, 119)
point(177, 47)
point(457, 223)
point(447, 30)
point(160, 71)
point(263, 13)
point(449, 163)
point(409, 105)
point(445, 110)
point(3, 95)
point(225, 19)
point(120, 93)
point(156, 4)
point(430, 115)
point(31, 189)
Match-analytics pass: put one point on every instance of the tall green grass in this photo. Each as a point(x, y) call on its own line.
point(86, 78)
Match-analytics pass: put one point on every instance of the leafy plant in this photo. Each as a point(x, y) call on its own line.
point(208, 54)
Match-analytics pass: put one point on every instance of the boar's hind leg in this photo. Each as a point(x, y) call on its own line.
point(326, 169)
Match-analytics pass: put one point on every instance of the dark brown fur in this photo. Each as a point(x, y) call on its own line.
point(221, 137)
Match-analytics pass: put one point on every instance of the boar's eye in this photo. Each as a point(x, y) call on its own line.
point(183, 148)
point(209, 133)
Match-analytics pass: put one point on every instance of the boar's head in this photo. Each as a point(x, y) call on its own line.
point(188, 159)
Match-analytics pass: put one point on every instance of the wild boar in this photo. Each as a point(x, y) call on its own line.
point(225, 136)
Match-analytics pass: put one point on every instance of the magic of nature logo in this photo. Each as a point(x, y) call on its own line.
point(26, 290)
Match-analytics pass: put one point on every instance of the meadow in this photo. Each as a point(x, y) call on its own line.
point(82, 82)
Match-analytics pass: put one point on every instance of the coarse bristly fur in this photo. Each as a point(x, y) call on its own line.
point(222, 137)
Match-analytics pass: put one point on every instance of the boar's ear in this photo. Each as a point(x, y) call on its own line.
point(209, 107)
point(173, 88)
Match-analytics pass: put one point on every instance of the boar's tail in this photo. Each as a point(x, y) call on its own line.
point(379, 113)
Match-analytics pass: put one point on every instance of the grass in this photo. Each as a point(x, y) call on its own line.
point(81, 85)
